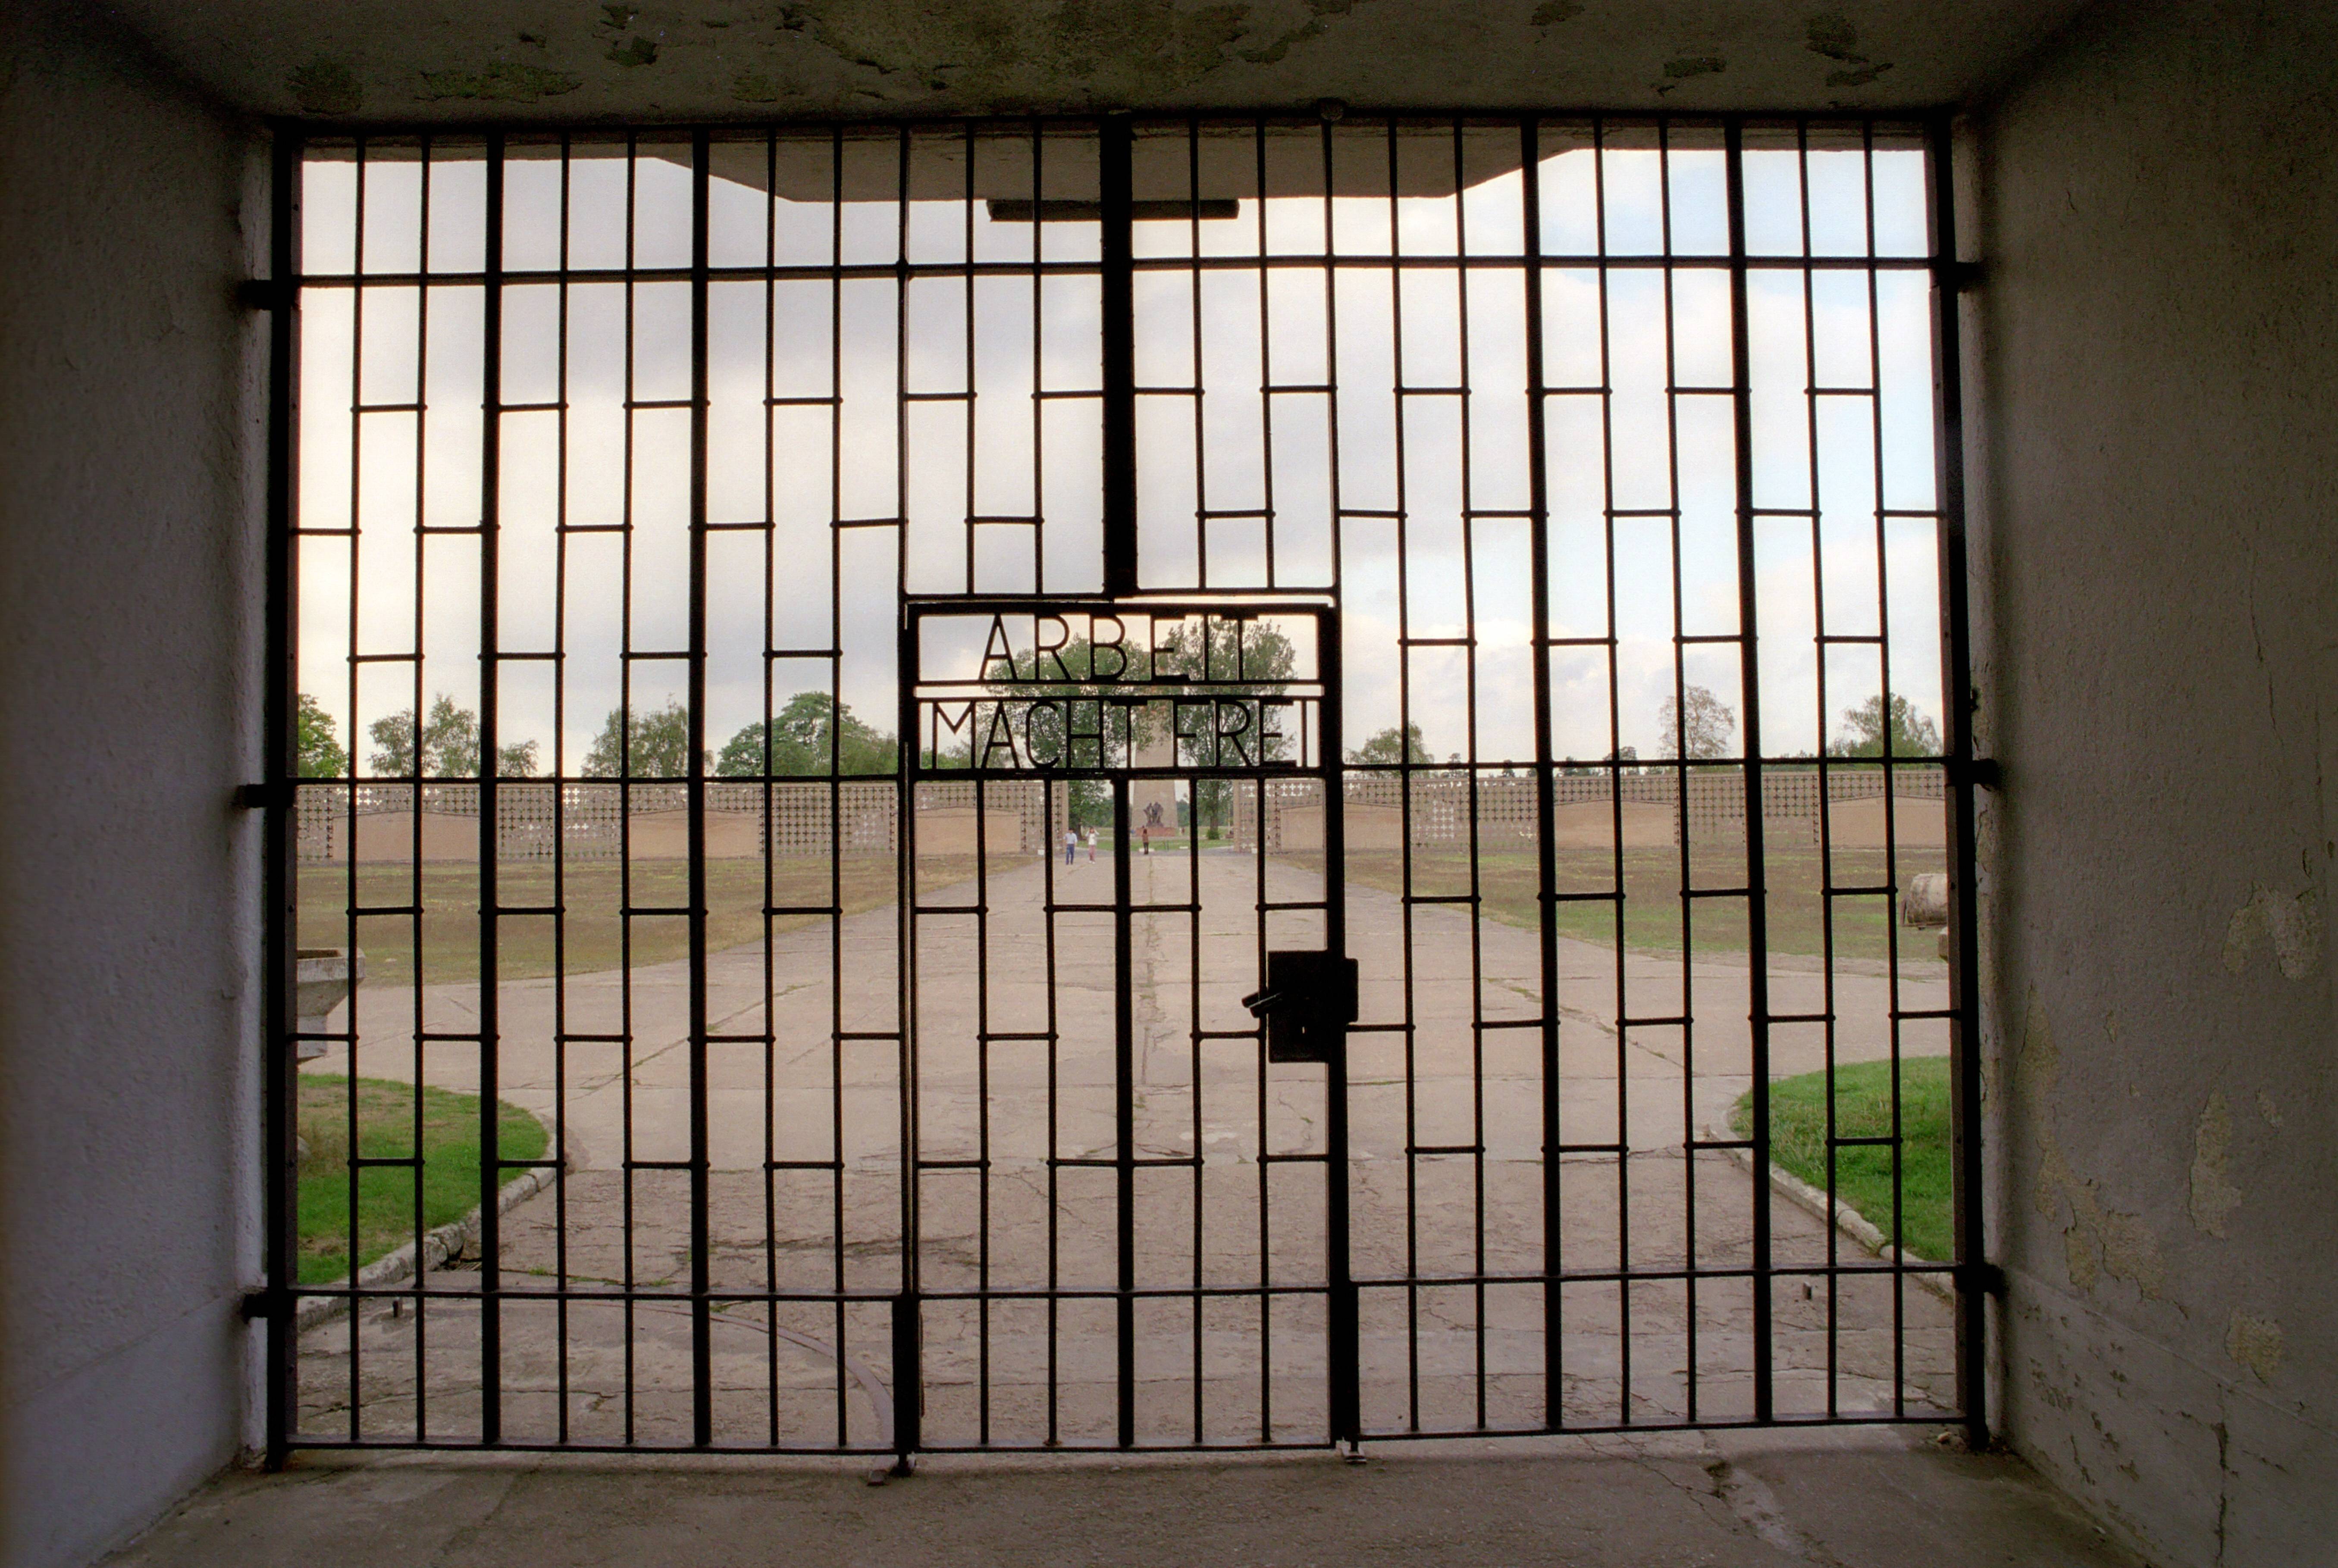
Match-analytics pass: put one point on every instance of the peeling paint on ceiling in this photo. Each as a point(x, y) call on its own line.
point(678, 59)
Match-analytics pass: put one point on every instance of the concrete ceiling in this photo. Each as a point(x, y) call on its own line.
point(569, 60)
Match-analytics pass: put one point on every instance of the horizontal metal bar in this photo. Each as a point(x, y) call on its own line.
point(904, 271)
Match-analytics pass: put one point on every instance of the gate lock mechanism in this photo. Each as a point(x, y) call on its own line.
point(1308, 1002)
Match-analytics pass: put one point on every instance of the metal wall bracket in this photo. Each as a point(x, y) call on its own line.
point(1979, 772)
point(1959, 277)
point(1988, 1279)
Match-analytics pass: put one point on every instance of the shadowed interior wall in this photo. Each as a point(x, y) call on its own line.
point(2160, 368)
point(129, 607)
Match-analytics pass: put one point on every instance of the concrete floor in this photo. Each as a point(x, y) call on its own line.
point(1881, 1498)
point(1434, 1359)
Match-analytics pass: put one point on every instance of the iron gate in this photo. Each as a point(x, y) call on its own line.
point(1523, 555)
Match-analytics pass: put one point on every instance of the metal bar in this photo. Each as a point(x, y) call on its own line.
point(1962, 706)
point(1123, 1110)
point(908, 1369)
point(516, 277)
point(701, 1243)
point(491, 1170)
point(1756, 873)
point(280, 761)
point(1345, 1351)
point(1115, 151)
point(561, 1034)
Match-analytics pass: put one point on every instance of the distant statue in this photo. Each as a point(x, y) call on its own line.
point(1153, 813)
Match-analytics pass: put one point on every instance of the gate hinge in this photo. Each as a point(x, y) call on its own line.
point(261, 797)
point(256, 1303)
point(1959, 277)
point(1988, 1279)
point(258, 293)
point(1981, 772)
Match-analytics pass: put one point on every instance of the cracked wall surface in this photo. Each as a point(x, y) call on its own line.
point(388, 59)
point(2158, 346)
point(129, 608)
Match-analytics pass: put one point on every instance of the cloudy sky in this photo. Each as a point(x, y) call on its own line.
point(1040, 458)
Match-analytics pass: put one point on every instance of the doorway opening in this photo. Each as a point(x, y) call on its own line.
point(851, 693)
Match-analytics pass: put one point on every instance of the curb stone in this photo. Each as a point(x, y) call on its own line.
point(448, 1240)
point(1842, 1217)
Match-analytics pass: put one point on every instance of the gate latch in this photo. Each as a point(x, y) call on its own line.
point(1308, 1002)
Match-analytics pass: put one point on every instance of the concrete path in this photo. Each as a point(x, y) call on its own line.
point(1839, 1499)
point(1213, 1216)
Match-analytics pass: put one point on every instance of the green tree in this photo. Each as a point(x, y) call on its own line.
point(317, 741)
point(1913, 733)
point(799, 740)
point(1701, 724)
point(1390, 747)
point(656, 744)
point(450, 746)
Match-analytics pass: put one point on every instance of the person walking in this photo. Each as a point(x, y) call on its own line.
point(1071, 844)
point(1091, 846)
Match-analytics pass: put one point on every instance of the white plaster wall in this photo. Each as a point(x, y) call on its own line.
point(2158, 327)
point(129, 564)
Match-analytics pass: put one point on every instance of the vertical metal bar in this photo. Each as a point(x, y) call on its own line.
point(423, 552)
point(560, 809)
point(1265, 398)
point(351, 901)
point(491, 398)
point(1123, 1077)
point(356, 557)
point(1964, 926)
point(1114, 151)
point(982, 1101)
point(1623, 1139)
point(834, 641)
point(1757, 931)
point(1830, 1037)
point(1054, 1073)
point(625, 788)
point(767, 805)
point(1405, 789)
point(1345, 1350)
point(1546, 802)
point(1680, 784)
point(701, 1326)
point(1199, 389)
point(909, 1372)
point(1469, 753)
point(1891, 821)
point(1687, 868)
point(280, 765)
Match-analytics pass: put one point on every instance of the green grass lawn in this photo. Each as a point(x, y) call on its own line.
point(594, 935)
point(1652, 903)
point(385, 1193)
point(1862, 1109)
